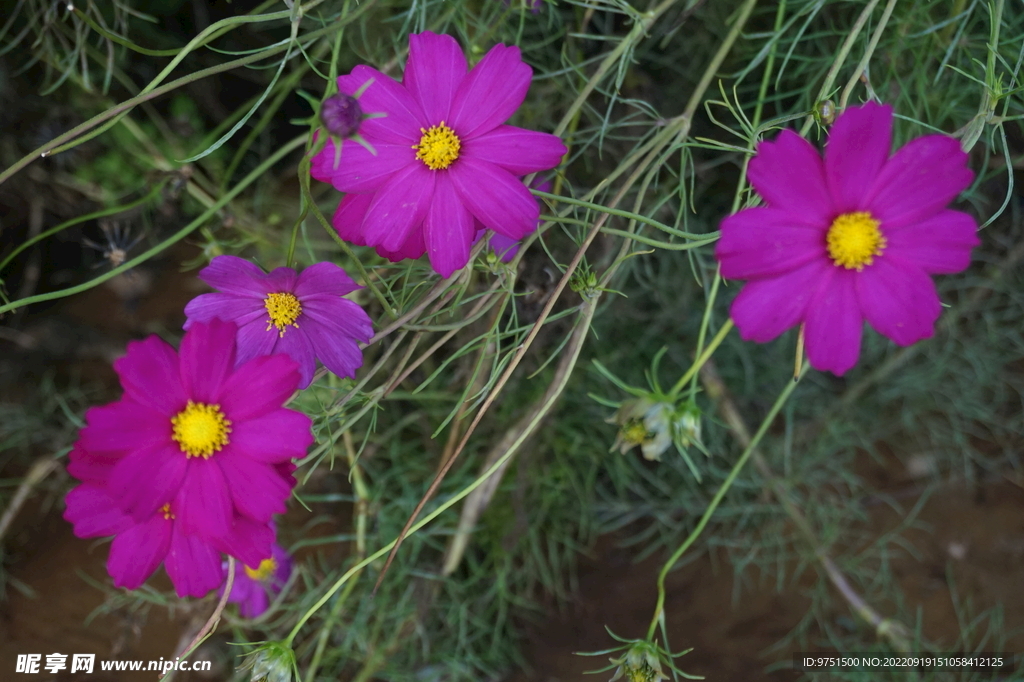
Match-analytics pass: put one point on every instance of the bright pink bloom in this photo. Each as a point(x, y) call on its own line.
point(504, 247)
point(192, 563)
point(443, 156)
point(253, 587)
point(194, 430)
point(300, 315)
point(848, 239)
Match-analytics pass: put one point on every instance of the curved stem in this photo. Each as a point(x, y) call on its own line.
point(719, 496)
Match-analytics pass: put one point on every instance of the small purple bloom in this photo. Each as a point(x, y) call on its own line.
point(341, 115)
point(253, 587)
point(300, 315)
point(444, 157)
point(850, 238)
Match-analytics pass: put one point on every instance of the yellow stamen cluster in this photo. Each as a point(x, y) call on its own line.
point(439, 147)
point(284, 309)
point(854, 239)
point(263, 571)
point(166, 511)
point(200, 430)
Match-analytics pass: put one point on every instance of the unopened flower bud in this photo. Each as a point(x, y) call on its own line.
point(272, 662)
point(640, 664)
point(341, 115)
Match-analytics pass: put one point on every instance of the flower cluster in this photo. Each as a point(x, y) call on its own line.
point(193, 460)
point(850, 238)
point(442, 161)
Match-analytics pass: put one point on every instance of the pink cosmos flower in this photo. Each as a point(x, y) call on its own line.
point(850, 238)
point(253, 587)
point(504, 247)
point(443, 156)
point(195, 431)
point(300, 315)
point(139, 548)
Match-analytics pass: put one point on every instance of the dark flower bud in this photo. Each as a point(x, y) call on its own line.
point(341, 115)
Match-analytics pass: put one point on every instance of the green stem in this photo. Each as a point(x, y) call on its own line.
point(702, 358)
point(717, 499)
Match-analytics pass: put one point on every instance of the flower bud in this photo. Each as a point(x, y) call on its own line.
point(272, 662)
point(341, 115)
point(640, 664)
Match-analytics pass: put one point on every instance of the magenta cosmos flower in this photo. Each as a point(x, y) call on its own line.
point(253, 587)
point(194, 430)
point(300, 315)
point(192, 562)
point(850, 238)
point(443, 156)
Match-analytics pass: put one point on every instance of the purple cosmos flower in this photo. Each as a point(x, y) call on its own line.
point(443, 156)
point(851, 238)
point(194, 430)
point(303, 316)
point(192, 563)
point(253, 587)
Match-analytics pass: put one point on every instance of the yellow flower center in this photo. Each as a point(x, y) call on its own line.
point(166, 511)
point(283, 309)
point(634, 432)
point(439, 147)
point(200, 430)
point(263, 571)
point(854, 240)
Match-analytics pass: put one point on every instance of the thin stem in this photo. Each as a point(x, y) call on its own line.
point(717, 499)
point(702, 358)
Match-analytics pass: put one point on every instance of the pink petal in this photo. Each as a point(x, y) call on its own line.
point(348, 219)
point(413, 248)
point(940, 244)
point(256, 488)
point(335, 347)
point(256, 604)
point(281, 280)
point(258, 387)
point(491, 93)
point(766, 242)
point(404, 117)
point(296, 345)
point(358, 170)
point(124, 426)
point(517, 150)
point(145, 480)
point(324, 278)
point(203, 505)
point(399, 207)
point(447, 229)
point(151, 376)
point(138, 551)
point(834, 323)
point(193, 566)
point(858, 146)
point(234, 275)
point(497, 198)
point(765, 308)
point(344, 316)
point(789, 174)
point(89, 467)
point(919, 181)
point(434, 71)
point(207, 358)
point(227, 307)
point(249, 542)
point(277, 436)
point(898, 300)
point(93, 514)
point(254, 340)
